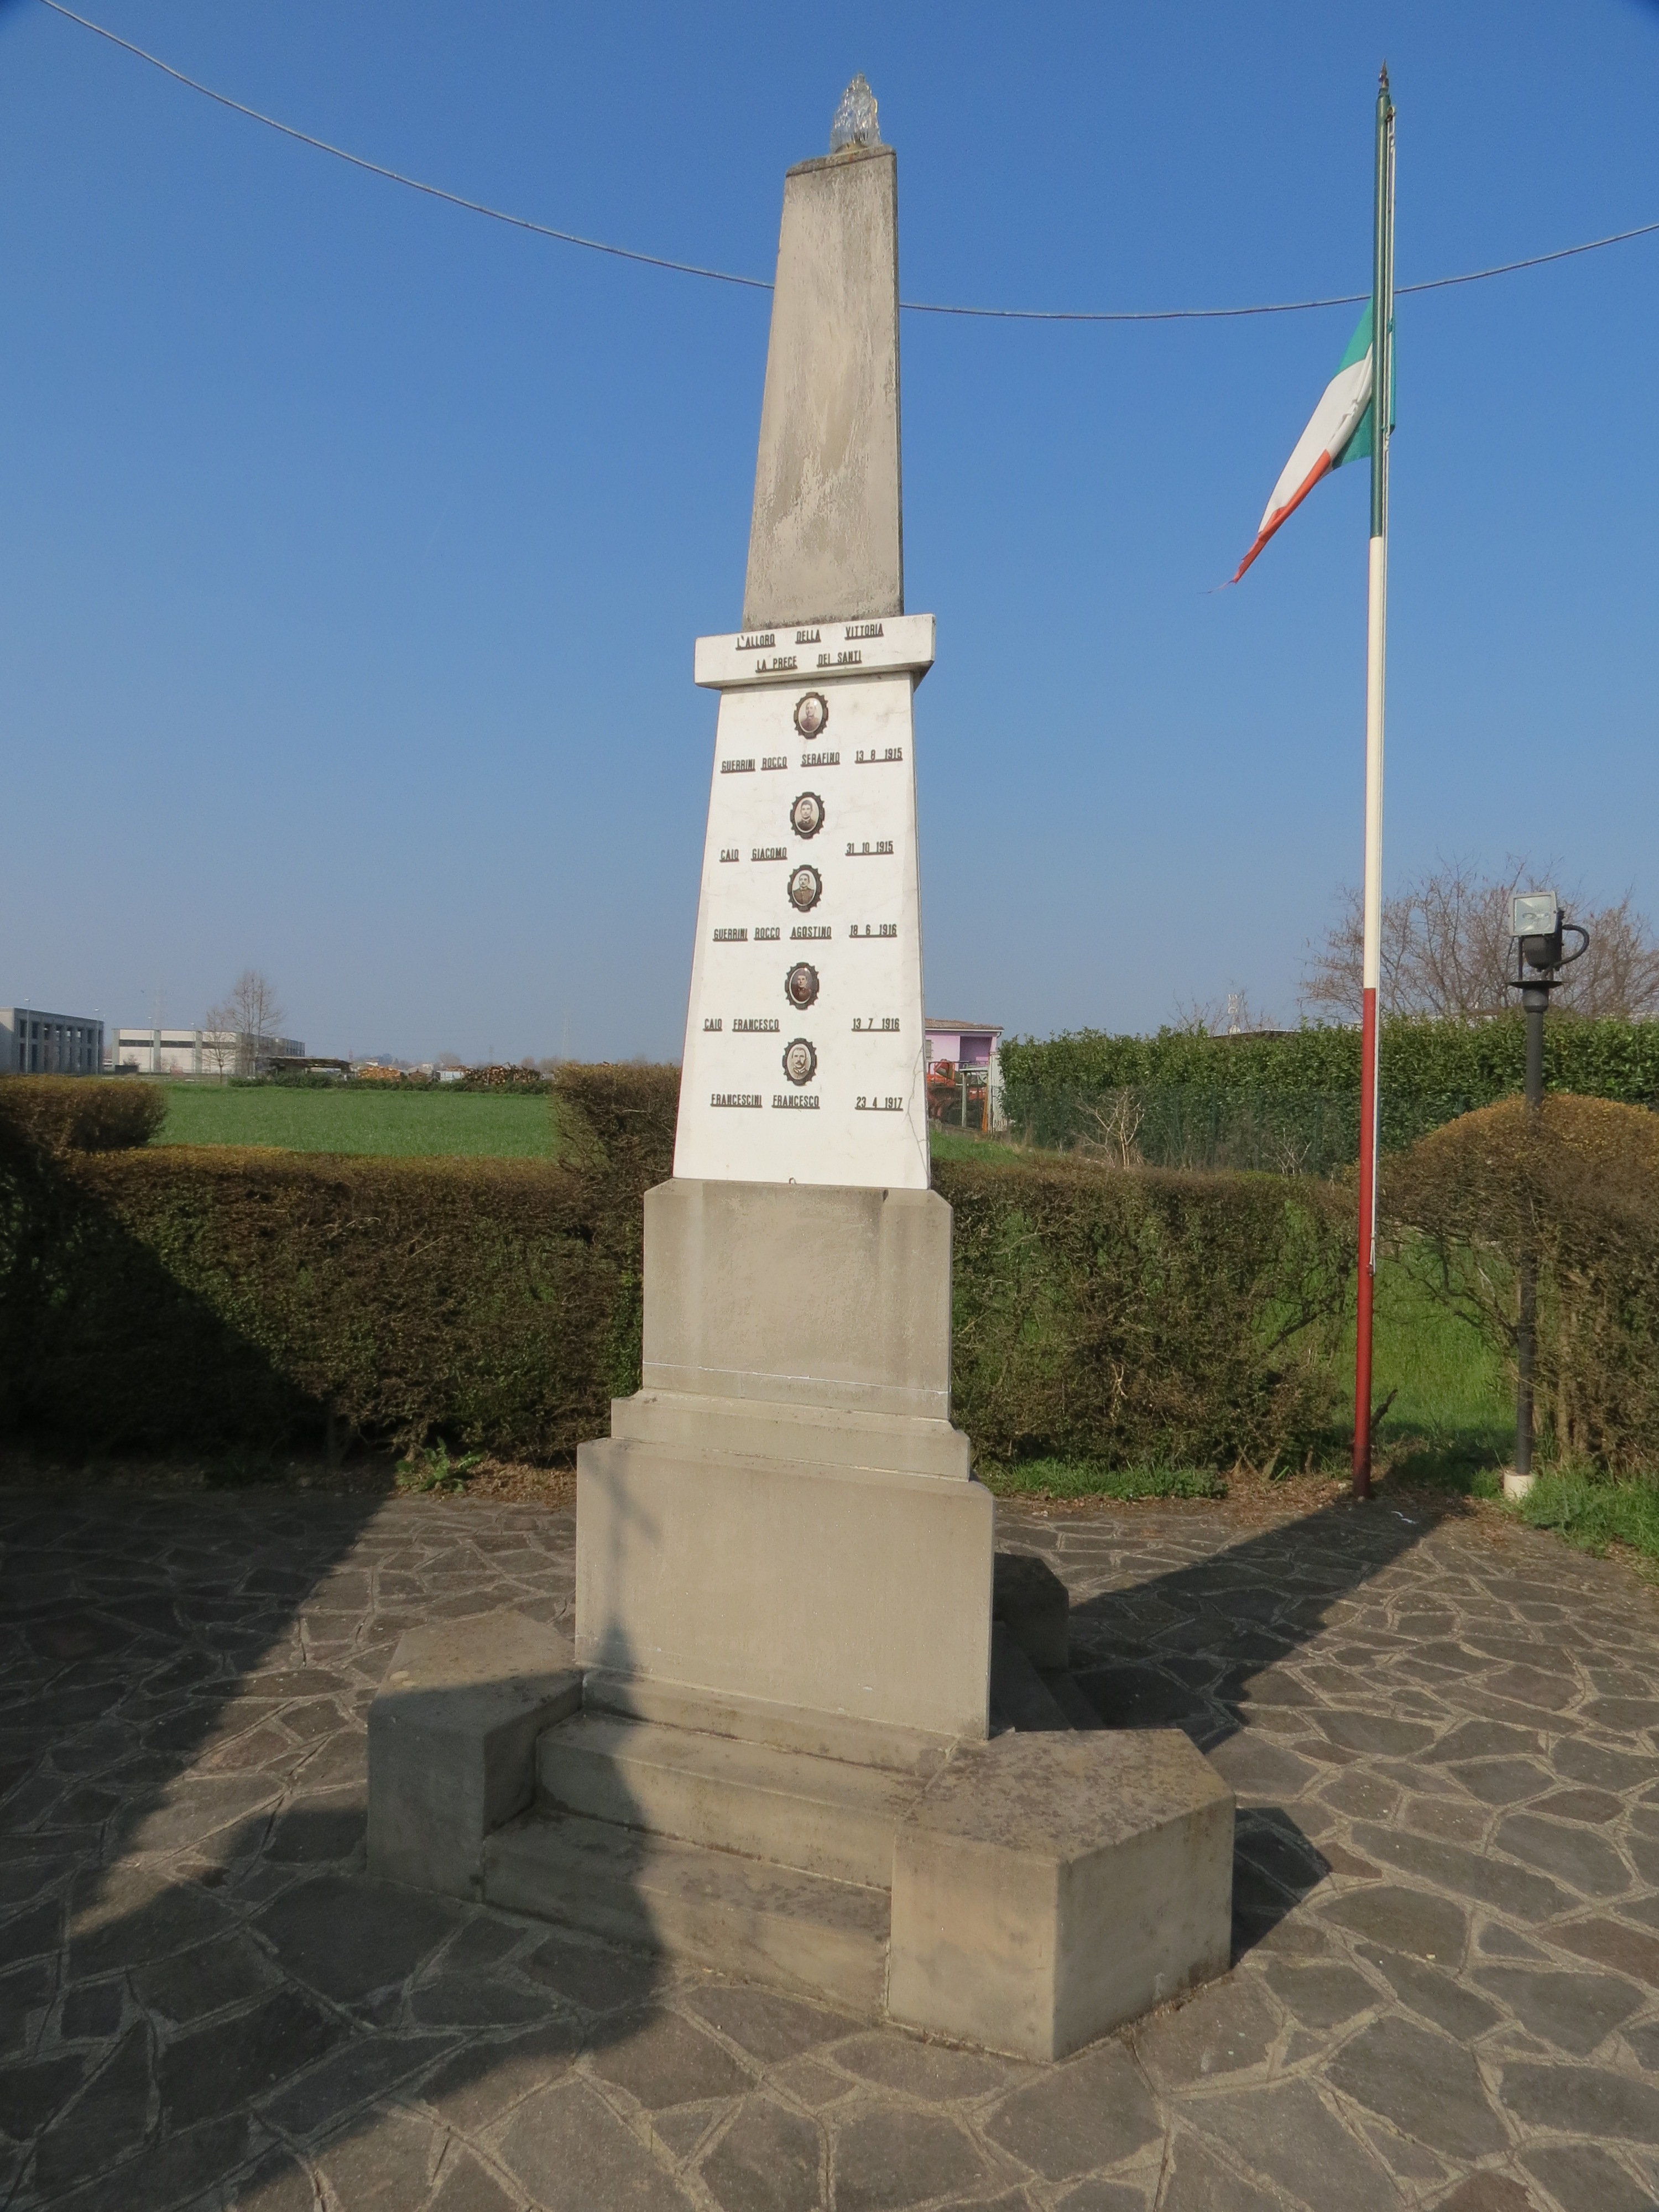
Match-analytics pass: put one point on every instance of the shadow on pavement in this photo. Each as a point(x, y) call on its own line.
point(199, 1984)
point(196, 1974)
point(1194, 1648)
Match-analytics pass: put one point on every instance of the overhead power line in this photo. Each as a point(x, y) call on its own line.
point(396, 176)
point(763, 284)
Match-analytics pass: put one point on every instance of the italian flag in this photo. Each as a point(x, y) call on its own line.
point(1340, 431)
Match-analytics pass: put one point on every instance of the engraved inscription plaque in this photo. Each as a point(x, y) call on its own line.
point(862, 1124)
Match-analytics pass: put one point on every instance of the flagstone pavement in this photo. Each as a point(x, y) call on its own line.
point(1446, 1985)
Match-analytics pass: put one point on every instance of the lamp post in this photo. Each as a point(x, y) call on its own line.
point(1537, 928)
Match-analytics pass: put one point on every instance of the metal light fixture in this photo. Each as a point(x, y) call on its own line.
point(1538, 929)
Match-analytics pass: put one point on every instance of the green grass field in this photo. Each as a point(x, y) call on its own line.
point(963, 1144)
point(1593, 1514)
point(1451, 1425)
point(1452, 1419)
point(361, 1119)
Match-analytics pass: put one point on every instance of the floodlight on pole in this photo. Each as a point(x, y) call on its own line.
point(1538, 930)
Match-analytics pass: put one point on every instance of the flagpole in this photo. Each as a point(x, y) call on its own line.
point(1375, 665)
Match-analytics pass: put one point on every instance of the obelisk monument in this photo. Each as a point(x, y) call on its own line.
point(784, 1512)
point(805, 1056)
point(771, 1749)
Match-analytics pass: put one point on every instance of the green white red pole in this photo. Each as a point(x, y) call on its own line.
point(1376, 669)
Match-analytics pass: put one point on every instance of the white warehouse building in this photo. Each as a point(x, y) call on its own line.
point(196, 1052)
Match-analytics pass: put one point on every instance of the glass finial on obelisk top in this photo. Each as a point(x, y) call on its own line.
point(855, 123)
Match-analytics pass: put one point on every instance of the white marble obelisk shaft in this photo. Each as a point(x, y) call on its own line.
point(827, 540)
point(804, 1055)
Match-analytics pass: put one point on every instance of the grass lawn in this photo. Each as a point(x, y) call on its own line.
point(1593, 1514)
point(1452, 1419)
point(963, 1144)
point(361, 1119)
point(1450, 1423)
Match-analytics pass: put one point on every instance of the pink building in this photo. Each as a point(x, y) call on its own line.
point(964, 1075)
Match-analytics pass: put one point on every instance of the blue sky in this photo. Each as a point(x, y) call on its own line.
point(353, 547)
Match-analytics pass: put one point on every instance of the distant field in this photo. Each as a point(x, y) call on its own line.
point(360, 1120)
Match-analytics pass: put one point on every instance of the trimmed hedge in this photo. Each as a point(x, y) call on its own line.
point(618, 1121)
point(1428, 1060)
point(1130, 1318)
point(200, 1296)
point(203, 1297)
point(1578, 1185)
point(61, 1113)
point(1290, 1101)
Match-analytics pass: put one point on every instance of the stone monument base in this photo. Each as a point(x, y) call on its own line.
point(810, 1730)
point(1025, 1893)
point(783, 1513)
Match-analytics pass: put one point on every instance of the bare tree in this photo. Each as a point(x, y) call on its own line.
point(256, 1018)
point(1446, 951)
point(1116, 1116)
point(219, 1047)
point(1619, 973)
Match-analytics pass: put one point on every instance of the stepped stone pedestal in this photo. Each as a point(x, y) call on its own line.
point(791, 1740)
point(784, 1513)
point(811, 1730)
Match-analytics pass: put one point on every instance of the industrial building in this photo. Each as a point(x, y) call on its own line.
point(197, 1052)
point(36, 1044)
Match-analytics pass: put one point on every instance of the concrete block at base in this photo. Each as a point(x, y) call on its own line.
point(451, 1743)
point(895, 1443)
point(838, 1590)
point(804, 1295)
point(1049, 1887)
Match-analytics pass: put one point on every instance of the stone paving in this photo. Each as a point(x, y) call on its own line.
point(1446, 1990)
